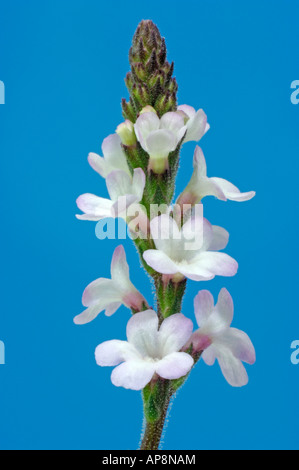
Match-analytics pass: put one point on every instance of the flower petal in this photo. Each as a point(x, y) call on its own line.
point(115, 157)
point(120, 269)
point(166, 234)
point(133, 375)
point(94, 207)
point(219, 264)
point(219, 239)
point(174, 333)
point(230, 191)
point(173, 122)
point(101, 290)
point(97, 163)
point(196, 126)
point(232, 368)
point(160, 143)
point(188, 110)
point(112, 353)
point(199, 163)
point(174, 365)
point(138, 183)
point(160, 262)
point(145, 124)
point(203, 306)
point(240, 345)
point(90, 313)
point(142, 332)
point(118, 184)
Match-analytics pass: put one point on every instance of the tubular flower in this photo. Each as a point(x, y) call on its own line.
point(196, 123)
point(114, 157)
point(124, 190)
point(201, 185)
point(110, 294)
point(218, 340)
point(148, 351)
point(179, 253)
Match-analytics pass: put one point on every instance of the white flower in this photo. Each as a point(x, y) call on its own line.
point(110, 294)
point(159, 137)
point(218, 341)
point(196, 123)
point(148, 351)
point(173, 255)
point(124, 190)
point(200, 185)
point(114, 157)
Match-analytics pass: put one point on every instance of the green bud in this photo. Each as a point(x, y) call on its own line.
point(126, 133)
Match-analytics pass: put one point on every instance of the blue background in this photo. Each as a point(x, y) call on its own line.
point(63, 64)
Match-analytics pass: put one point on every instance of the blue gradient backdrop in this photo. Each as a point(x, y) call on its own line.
point(63, 64)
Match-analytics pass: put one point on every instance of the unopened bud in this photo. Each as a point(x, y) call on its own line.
point(126, 133)
point(148, 109)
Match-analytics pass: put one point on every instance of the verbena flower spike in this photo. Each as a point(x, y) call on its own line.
point(175, 243)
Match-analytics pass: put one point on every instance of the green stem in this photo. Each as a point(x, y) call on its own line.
point(153, 431)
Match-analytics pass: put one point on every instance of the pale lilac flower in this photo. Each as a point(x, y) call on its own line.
point(124, 190)
point(148, 351)
point(201, 185)
point(114, 157)
point(159, 137)
point(173, 255)
point(218, 340)
point(110, 294)
point(196, 122)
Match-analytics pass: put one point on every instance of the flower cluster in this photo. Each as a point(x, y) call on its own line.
point(139, 165)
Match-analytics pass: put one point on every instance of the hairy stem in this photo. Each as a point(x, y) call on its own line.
point(153, 431)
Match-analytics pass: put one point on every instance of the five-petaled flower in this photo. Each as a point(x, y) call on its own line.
point(175, 254)
point(149, 350)
point(201, 185)
point(110, 294)
point(160, 137)
point(124, 191)
point(218, 340)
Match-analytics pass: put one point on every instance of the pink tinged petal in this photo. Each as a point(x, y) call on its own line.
point(112, 308)
point(174, 365)
point(118, 184)
point(101, 290)
point(133, 375)
point(160, 262)
point(196, 126)
point(174, 333)
point(173, 122)
point(209, 356)
point(112, 353)
point(195, 272)
point(188, 110)
point(230, 191)
point(203, 306)
point(89, 314)
point(142, 332)
point(220, 238)
point(232, 369)
point(138, 183)
point(199, 342)
point(145, 124)
point(218, 264)
point(94, 206)
point(98, 164)
point(199, 163)
point(240, 345)
point(120, 268)
point(115, 157)
point(225, 307)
